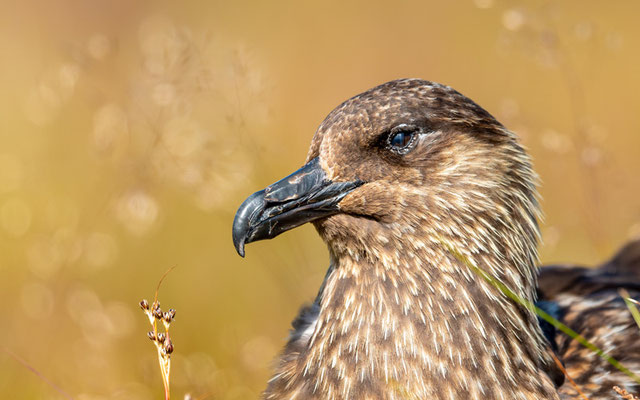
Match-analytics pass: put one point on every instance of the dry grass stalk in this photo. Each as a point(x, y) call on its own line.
point(162, 340)
point(566, 374)
point(36, 372)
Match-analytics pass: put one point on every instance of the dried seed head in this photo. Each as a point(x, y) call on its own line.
point(167, 317)
point(155, 305)
point(151, 335)
point(172, 312)
point(144, 304)
point(168, 346)
point(158, 313)
point(161, 337)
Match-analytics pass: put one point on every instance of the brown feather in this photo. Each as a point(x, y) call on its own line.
point(589, 303)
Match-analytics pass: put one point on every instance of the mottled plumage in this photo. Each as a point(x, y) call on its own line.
point(410, 184)
point(588, 301)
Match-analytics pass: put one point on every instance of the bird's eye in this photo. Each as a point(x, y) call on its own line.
point(402, 139)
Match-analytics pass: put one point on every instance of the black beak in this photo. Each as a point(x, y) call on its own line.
point(301, 197)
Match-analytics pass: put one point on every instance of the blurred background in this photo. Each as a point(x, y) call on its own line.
point(130, 132)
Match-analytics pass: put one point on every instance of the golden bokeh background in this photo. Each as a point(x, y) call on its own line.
point(131, 132)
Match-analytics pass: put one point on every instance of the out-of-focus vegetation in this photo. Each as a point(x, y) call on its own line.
point(131, 131)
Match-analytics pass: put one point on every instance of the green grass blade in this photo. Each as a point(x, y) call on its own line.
point(630, 305)
point(544, 315)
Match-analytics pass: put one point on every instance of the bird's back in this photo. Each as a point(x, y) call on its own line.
point(589, 302)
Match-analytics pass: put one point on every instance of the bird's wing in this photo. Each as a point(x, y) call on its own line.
point(587, 300)
point(622, 271)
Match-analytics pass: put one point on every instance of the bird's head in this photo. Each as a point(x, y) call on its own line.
point(406, 160)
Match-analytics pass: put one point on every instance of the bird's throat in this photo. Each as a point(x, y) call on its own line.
point(407, 324)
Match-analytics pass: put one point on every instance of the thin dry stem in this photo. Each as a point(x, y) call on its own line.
point(566, 374)
point(155, 298)
point(162, 340)
point(36, 373)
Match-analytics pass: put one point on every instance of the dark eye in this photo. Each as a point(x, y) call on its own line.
point(401, 139)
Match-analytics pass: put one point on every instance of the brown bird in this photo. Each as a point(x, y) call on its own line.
point(417, 191)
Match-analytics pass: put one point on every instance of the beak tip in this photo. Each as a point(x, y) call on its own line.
point(241, 252)
point(239, 240)
point(240, 248)
point(244, 219)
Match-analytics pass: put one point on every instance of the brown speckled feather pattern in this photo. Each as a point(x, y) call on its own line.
point(399, 315)
point(590, 304)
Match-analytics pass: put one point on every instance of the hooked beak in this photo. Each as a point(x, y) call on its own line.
point(304, 196)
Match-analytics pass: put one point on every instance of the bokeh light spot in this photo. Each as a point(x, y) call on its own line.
point(41, 104)
point(37, 300)
point(551, 236)
point(556, 142)
point(591, 155)
point(584, 30)
point(483, 3)
point(182, 136)
point(68, 76)
point(513, 19)
point(98, 46)
point(110, 128)
point(614, 41)
point(634, 231)
point(160, 44)
point(122, 318)
point(137, 211)
point(163, 94)
point(257, 353)
point(100, 250)
point(85, 309)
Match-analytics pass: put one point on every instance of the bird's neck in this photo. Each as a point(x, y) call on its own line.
point(423, 323)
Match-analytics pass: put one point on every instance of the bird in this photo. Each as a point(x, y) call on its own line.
point(428, 207)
